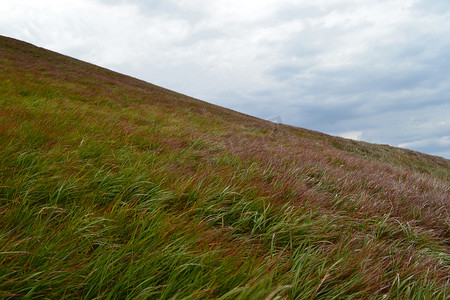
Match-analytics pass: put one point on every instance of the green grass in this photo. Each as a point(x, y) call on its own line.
point(111, 187)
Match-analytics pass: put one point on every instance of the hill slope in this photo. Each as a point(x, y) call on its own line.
point(113, 187)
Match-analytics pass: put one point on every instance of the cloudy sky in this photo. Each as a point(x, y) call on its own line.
point(377, 71)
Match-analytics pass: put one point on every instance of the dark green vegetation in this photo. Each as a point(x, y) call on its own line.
point(111, 187)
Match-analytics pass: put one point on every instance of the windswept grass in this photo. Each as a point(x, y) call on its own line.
point(114, 188)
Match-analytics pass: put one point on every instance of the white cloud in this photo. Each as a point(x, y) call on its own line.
point(443, 141)
point(440, 146)
point(353, 135)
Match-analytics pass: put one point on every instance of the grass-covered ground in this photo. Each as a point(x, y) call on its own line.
point(111, 187)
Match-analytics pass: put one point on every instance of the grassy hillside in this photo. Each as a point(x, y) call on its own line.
point(111, 187)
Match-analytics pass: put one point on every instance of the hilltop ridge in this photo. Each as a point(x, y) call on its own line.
point(113, 187)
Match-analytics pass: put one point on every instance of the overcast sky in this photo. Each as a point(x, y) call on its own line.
point(377, 71)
